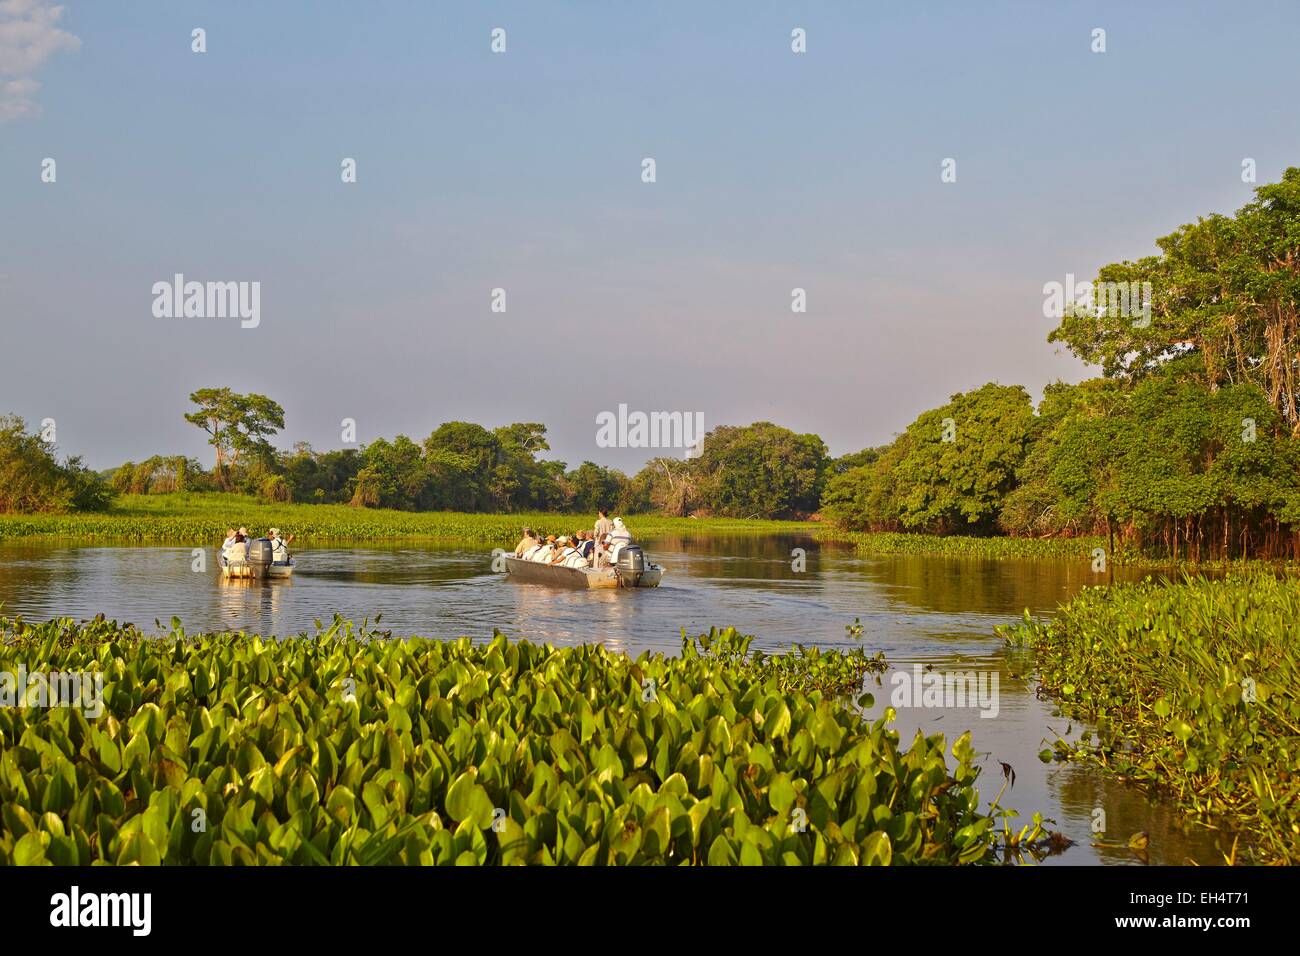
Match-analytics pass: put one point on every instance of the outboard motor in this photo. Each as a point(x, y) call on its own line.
point(259, 556)
point(630, 566)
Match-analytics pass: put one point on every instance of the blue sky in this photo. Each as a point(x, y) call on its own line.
point(522, 171)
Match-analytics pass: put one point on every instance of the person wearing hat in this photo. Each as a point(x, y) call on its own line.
point(561, 550)
point(619, 539)
point(567, 556)
point(279, 547)
point(236, 549)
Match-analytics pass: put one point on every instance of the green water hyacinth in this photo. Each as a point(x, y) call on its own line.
point(1194, 688)
point(344, 747)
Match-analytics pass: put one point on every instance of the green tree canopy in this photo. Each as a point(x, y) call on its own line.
point(31, 478)
point(236, 424)
point(949, 471)
point(1225, 303)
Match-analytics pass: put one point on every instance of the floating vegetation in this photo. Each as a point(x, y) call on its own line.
point(345, 747)
point(1193, 690)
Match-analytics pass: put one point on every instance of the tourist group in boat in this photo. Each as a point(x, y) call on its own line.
point(235, 548)
point(582, 549)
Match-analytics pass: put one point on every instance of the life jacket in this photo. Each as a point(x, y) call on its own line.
point(279, 551)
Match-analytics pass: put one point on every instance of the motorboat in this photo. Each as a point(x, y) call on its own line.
point(630, 570)
point(257, 562)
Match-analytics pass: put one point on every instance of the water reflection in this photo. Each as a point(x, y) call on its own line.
point(939, 612)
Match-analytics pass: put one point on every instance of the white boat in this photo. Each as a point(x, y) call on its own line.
point(257, 563)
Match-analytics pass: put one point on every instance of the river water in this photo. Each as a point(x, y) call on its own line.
point(934, 612)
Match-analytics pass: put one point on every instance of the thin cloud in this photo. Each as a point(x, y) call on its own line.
point(29, 35)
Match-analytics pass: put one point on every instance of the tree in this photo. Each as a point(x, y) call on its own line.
point(1225, 304)
point(838, 466)
point(395, 476)
point(32, 480)
point(236, 425)
point(462, 456)
point(1201, 473)
point(518, 479)
point(320, 476)
point(762, 469)
point(948, 472)
point(592, 487)
point(670, 485)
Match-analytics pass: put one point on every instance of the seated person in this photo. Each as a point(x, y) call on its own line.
point(560, 551)
point(237, 553)
point(546, 551)
point(279, 546)
point(567, 555)
point(619, 538)
point(529, 541)
point(574, 559)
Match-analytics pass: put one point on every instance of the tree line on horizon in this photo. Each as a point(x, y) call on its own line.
point(759, 470)
point(1187, 444)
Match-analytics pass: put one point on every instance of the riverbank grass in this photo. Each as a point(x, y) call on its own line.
point(204, 518)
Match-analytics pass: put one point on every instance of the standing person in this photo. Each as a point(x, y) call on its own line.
point(603, 527)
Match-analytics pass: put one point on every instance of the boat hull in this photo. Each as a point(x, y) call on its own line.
point(256, 572)
point(554, 574)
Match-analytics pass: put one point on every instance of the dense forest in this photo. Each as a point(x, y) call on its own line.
point(1188, 444)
